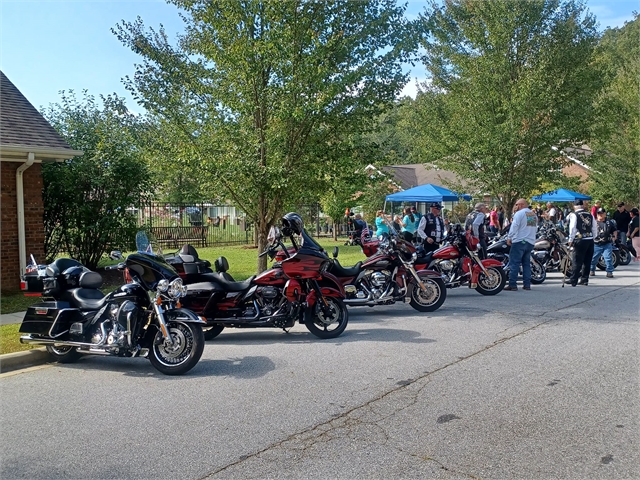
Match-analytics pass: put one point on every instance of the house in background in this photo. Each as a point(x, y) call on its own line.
point(26, 141)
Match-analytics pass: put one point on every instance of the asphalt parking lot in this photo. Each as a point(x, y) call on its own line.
point(540, 384)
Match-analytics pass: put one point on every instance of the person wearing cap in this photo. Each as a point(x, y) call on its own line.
point(475, 224)
point(622, 219)
point(582, 231)
point(602, 243)
point(431, 228)
point(521, 238)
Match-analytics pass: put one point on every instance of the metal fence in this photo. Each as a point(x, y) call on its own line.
point(206, 224)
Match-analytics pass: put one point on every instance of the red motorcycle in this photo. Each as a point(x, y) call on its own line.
point(458, 263)
point(391, 274)
point(296, 288)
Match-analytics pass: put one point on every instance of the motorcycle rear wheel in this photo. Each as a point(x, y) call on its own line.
point(212, 332)
point(184, 355)
point(331, 326)
point(430, 300)
point(624, 256)
point(538, 272)
point(615, 258)
point(63, 354)
point(493, 283)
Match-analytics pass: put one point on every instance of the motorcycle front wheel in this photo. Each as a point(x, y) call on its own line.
point(538, 272)
point(431, 298)
point(183, 355)
point(493, 283)
point(624, 256)
point(329, 325)
point(63, 354)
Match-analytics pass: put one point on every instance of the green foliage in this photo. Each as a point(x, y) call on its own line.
point(260, 95)
point(509, 80)
point(616, 127)
point(86, 198)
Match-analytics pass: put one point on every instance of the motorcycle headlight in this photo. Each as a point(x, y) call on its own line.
point(175, 288)
point(163, 285)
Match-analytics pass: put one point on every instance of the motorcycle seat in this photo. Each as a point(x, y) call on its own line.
point(426, 258)
point(340, 271)
point(216, 282)
point(87, 298)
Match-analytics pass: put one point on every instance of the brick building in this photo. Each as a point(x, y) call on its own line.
point(26, 140)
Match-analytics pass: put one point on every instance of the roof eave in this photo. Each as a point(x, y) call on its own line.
point(19, 153)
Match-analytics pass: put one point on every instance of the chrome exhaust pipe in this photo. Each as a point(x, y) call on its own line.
point(45, 341)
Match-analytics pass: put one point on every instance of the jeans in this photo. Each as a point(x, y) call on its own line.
point(604, 250)
point(622, 236)
point(519, 255)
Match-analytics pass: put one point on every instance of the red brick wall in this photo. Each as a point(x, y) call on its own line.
point(34, 228)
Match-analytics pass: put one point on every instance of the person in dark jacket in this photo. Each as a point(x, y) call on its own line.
point(603, 242)
point(622, 219)
point(582, 231)
point(431, 228)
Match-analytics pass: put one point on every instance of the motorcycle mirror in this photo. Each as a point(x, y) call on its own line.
point(335, 252)
point(115, 255)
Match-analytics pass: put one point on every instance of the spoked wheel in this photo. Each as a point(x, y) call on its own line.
point(212, 332)
point(63, 354)
point(429, 299)
point(493, 283)
point(329, 325)
point(624, 256)
point(183, 355)
point(538, 272)
point(602, 265)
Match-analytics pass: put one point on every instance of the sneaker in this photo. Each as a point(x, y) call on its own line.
point(609, 275)
point(592, 274)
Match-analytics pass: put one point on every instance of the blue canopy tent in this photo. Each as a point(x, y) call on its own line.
point(426, 193)
point(560, 195)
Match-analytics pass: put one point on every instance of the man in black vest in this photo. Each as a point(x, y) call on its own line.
point(431, 228)
point(603, 242)
point(582, 230)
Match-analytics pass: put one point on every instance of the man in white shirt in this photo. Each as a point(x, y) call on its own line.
point(521, 238)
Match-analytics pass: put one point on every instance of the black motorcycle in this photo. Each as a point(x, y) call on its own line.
point(76, 318)
point(499, 249)
point(551, 249)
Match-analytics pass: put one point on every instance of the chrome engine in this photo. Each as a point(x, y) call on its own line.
point(448, 269)
point(269, 300)
point(114, 332)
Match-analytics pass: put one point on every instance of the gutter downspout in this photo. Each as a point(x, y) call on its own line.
point(22, 242)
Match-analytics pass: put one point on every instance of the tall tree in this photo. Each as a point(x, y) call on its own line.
point(263, 92)
point(509, 79)
point(86, 198)
point(616, 123)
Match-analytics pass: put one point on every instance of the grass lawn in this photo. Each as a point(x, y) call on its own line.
point(243, 261)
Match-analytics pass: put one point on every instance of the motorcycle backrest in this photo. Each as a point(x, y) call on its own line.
point(221, 265)
point(90, 280)
point(60, 265)
point(335, 252)
point(188, 251)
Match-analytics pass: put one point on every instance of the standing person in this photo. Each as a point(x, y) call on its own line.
point(397, 223)
point(382, 231)
point(634, 233)
point(582, 231)
point(552, 213)
point(521, 238)
point(595, 208)
point(408, 225)
point(622, 219)
point(602, 243)
point(432, 228)
point(417, 215)
point(500, 217)
point(475, 224)
point(494, 224)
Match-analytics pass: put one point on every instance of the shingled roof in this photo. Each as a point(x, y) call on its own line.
point(23, 128)
point(412, 175)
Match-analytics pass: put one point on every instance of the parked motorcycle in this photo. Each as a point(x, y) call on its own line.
point(615, 258)
point(390, 275)
point(296, 288)
point(458, 263)
point(76, 318)
point(624, 255)
point(551, 250)
point(499, 250)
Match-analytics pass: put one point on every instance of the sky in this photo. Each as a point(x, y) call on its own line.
point(51, 45)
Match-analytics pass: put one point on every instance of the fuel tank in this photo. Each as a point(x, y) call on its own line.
point(446, 252)
point(542, 245)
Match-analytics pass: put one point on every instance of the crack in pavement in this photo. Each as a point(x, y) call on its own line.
point(301, 442)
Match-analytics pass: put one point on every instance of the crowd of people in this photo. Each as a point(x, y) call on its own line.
point(591, 233)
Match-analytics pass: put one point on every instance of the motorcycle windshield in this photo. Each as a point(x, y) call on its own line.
point(148, 269)
point(142, 242)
